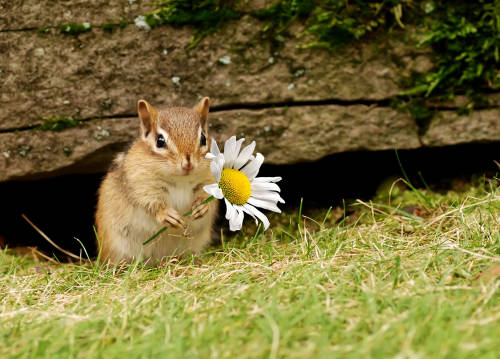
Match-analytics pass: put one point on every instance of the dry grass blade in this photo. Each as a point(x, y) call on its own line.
point(476, 204)
point(36, 253)
point(68, 253)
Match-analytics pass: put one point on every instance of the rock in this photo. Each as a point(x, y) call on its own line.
point(283, 135)
point(298, 104)
point(88, 147)
point(306, 133)
point(38, 14)
point(450, 128)
point(78, 74)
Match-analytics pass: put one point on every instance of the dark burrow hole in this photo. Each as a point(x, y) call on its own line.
point(63, 207)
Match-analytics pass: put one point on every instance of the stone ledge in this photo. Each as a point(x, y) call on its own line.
point(450, 128)
point(101, 74)
point(38, 14)
point(283, 135)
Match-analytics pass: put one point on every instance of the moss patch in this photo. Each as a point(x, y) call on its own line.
point(206, 16)
point(74, 28)
point(58, 123)
point(111, 26)
point(44, 30)
point(465, 37)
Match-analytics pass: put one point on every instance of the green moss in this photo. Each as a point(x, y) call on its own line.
point(58, 123)
point(332, 23)
point(282, 14)
point(111, 26)
point(74, 29)
point(205, 16)
point(44, 30)
point(465, 37)
point(421, 113)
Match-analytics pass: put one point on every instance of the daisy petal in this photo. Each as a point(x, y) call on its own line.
point(214, 190)
point(267, 196)
point(270, 206)
point(216, 166)
point(210, 156)
point(230, 211)
point(250, 213)
point(244, 156)
point(238, 147)
point(266, 179)
point(214, 149)
point(252, 210)
point(229, 144)
point(236, 221)
point(229, 147)
point(252, 168)
point(233, 155)
point(265, 186)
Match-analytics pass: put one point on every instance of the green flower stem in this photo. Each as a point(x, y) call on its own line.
point(209, 199)
point(156, 235)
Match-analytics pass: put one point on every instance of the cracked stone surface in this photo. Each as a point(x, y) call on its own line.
point(23, 14)
point(98, 73)
point(98, 77)
point(307, 133)
point(85, 148)
point(283, 135)
point(450, 128)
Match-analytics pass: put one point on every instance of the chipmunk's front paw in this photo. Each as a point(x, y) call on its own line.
point(199, 209)
point(170, 217)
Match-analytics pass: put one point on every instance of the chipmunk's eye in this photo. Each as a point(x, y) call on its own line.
point(203, 140)
point(160, 141)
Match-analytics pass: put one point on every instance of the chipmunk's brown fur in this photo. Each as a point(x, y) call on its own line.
point(154, 183)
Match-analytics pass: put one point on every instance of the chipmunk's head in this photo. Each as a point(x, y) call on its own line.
point(177, 136)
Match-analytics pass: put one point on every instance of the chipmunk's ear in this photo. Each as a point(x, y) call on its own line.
point(202, 109)
point(148, 116)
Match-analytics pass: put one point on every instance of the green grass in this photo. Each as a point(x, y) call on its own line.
point(381, 282)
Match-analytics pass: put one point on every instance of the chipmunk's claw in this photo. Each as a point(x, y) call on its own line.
point(199, 210)
point(169, 216)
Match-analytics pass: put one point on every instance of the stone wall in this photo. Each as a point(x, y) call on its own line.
point(299, 104)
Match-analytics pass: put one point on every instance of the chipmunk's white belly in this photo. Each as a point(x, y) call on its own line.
point(174, 241)
point(181, 196)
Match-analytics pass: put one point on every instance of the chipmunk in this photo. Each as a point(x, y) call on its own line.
point(157, 180)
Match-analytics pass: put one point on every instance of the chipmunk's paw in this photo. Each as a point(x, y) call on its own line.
point(199, 209)
point(170, 217)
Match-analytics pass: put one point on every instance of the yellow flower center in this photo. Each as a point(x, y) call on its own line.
point(235, 186)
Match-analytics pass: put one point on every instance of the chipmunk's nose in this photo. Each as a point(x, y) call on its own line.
point(186, 163)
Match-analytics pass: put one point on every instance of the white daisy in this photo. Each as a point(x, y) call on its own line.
point(237, 182)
